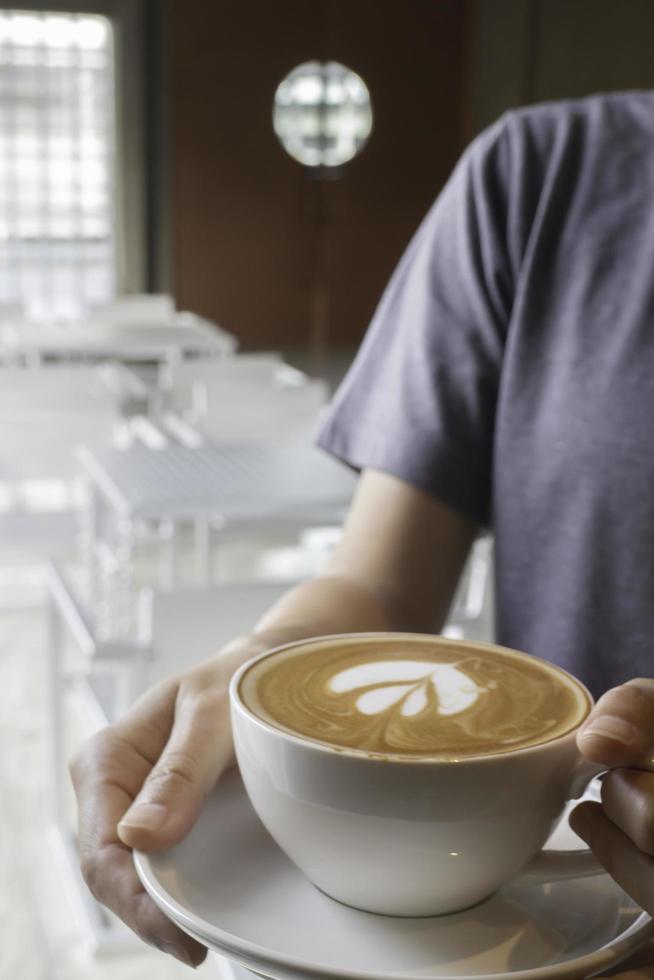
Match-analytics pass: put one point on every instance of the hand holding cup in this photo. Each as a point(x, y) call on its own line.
point(408, 774)
point(619, 733)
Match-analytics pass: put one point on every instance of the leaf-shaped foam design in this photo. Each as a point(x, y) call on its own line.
point(455, 691)
point(380, 698)
point(380, 672)
point(415, 703)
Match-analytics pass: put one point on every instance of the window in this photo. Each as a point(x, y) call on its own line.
point(60, 228)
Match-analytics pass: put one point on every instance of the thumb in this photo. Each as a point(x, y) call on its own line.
point(619, 731)
point(197, 752)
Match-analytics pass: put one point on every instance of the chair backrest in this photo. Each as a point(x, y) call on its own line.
point(53, 385)
point(471, 615)
point(13, 313)
point(178, 378)
point(226, 342)
point(144, 309)
point(260, 414)
point(40, 444)
point(184, 626)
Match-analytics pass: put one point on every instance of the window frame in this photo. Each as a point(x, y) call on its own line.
point(127, 17)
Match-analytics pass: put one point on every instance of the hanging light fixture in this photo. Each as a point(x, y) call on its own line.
point(322, 114)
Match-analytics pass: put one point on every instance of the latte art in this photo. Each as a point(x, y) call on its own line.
point(413, 697)
point(454, 691)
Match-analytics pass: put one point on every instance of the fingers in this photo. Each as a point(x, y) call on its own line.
point(112, 767)
point(619, 733)
point(104, 776)
point(111, 878)
point(108, 775)
point(628, 800)
point(624, 861)
point(199, 748)
point(620, 729)
point(141, 783)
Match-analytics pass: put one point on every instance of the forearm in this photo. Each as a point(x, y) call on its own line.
point(395, 568)
point(332, 603)
point(326, 605)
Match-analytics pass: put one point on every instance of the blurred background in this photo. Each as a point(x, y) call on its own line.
point(200, 204)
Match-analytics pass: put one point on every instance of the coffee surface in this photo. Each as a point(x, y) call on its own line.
point(413, 698)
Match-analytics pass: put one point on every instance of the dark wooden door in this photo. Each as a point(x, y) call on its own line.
point(274, 255)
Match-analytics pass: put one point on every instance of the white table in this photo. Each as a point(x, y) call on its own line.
point(56, 385)
point(133, 342)
point(240, 488)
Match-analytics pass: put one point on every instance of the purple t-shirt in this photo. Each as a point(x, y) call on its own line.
point(509, 371)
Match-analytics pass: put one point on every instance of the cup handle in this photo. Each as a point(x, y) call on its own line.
point(553, 865)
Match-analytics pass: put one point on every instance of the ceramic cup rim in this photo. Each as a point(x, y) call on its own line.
point(238, 704)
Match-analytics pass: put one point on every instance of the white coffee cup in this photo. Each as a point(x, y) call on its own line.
point(410, 837)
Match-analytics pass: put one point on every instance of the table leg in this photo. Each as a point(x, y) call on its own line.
point(56, 717)
point(202, 550)
point(122, 599)
point(172, 575)
point(89, 541)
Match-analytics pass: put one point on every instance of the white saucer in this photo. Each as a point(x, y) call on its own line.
point(230, 886)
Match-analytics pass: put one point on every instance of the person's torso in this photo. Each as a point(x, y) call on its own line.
point(573, 484)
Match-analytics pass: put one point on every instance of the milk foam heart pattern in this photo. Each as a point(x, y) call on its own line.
point(455, 691)
point(413, 696)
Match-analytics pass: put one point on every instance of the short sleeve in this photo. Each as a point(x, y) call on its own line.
point(419, 400)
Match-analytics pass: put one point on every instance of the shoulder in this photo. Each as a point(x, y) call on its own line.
point(621, 120)
point(568, 144)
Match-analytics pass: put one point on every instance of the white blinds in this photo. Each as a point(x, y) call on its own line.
point(57, 163)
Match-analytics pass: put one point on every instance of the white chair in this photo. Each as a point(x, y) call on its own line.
point(45, 413)
point(38, 469)
point(184, 626)
point(39, 444)
point(228, 341)
point(273, 413)
point(13, 320)
point(92, 682)
point(177, 378)
point(13, 314)
point(155, 310)
point(240, 414)
point(142, 308)
point(253, 399)
point(176, 628)
point(76, 385)
point(472, 612)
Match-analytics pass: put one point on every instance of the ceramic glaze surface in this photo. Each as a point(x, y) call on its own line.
point(228, 884)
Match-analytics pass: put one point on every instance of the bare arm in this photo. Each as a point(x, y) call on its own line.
point(396, 567)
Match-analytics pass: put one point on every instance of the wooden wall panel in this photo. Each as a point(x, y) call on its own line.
point(275, 256)
point(527, 51)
